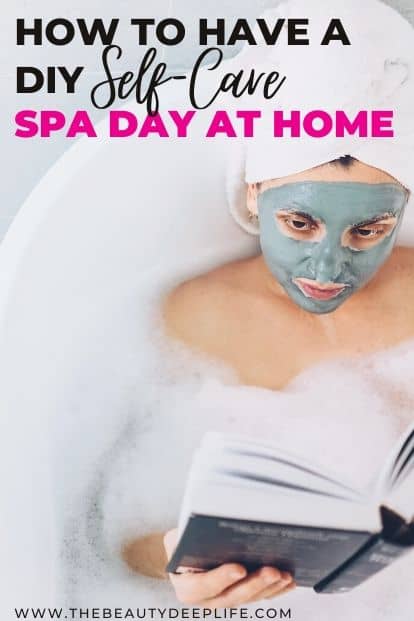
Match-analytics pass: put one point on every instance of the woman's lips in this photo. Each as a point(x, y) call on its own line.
point(319, 291)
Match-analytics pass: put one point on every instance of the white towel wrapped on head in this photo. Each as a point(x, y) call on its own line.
point(375, 72)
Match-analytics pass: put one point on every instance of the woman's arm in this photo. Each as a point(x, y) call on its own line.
point(147, 555)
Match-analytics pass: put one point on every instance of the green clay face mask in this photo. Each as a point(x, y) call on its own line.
point(325, 240)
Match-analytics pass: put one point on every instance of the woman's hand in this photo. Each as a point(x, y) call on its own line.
point(226, 586)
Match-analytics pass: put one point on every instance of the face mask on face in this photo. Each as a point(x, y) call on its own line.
point(324, 241)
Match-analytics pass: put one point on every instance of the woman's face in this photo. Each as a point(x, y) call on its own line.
point(325, 239)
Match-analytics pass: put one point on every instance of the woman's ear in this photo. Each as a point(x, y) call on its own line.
point(251, 199)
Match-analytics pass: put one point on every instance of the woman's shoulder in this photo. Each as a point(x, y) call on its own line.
point(199, 311)
point(398, 272)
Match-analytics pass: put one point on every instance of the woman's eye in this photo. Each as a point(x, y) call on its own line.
point(375, 232)
point(299, 225)
point(367, 236)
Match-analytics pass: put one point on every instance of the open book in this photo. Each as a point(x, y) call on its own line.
point(255, 504)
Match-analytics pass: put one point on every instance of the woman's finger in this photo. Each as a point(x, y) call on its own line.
point(198, 587)
point(247, 589)
point(286, 583)
point(285, 590)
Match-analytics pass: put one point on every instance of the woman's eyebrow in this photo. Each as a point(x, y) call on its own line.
point(303, 214)
point(374, 220)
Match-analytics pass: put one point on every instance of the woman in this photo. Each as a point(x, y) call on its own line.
point(328, 270)
point(330, 282)
point(326, 234)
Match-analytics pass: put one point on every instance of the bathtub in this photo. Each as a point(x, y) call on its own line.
point(103, 218)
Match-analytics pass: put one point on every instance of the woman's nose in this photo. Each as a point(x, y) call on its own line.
point(327, 262)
